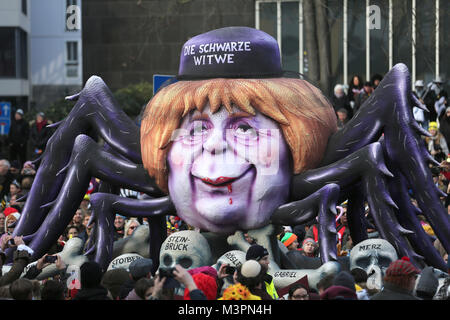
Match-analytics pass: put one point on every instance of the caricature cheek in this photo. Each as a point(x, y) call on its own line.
point(272, 152)
point(182, 155)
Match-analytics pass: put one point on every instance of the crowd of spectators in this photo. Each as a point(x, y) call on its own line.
point(251, 281)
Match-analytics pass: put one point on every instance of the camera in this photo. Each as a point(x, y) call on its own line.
point(166, 272)
point(50, 259)
point(230, 270)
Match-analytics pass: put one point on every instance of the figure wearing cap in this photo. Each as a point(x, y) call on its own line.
point(261, 255)
point(436, 143)
point(234, 129)
point(238, 144)
point(399, 281)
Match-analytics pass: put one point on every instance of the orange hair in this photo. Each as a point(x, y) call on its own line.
point(304, 114)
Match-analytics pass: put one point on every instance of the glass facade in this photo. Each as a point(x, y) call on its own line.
point(444, 39)
point(356, 28)
point(418, 51)
point(13, 53)
point(290, 35)
point(71, 59)
point(379, 40)
point(7, 53)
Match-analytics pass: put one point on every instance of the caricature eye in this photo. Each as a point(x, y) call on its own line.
point(198, 129)
point(244, 130)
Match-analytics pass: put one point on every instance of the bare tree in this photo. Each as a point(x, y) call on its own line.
point(317, 37)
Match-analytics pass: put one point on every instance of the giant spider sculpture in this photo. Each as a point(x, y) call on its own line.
point(377, 157)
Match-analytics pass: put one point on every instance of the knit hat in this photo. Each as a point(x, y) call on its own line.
point(288, 239)
point(238, 292)
point(345, 279)
point(19, 111)
point(114, 279)
point(338, 293)
point(309, 240)
point(428, 284)
point(256, 252)
point(400, 271)
point(207, 284)
point(210, 271)
point(90, 274)
point(140, 268)
point(250, 269)
point(9, 210)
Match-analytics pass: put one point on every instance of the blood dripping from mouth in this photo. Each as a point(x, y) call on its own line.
point(230, 189)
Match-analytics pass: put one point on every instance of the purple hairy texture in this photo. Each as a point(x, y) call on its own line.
point(105, 206)
point(388, 111)
point(97, 110)
point(321, 203)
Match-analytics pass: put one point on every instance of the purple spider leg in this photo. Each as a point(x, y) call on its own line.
point(322, 204)
point(365, 166)
point(87, 160)
point(388, 111)
point(95, 109)
point(419, 239)
point(356, 220)
point(105, 206)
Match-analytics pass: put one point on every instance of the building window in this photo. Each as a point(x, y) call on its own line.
point(24, 7)
point(72, 59)
point(410, 31)
point(22, 54)
point(283, 21)
point(7, 53)
point(13, 53)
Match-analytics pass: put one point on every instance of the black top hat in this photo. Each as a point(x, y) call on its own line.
point(231, 52)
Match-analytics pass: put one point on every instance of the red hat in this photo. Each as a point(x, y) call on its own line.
point(9, 210)
point(206, 284)
point(210, 271)
point(401, 267)
point(400, 272)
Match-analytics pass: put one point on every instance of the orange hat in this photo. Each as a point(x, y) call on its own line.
point(288, 239)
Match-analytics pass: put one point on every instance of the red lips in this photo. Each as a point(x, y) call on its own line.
point(219, 182)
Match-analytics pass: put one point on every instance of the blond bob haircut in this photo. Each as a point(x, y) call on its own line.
point(304, 115)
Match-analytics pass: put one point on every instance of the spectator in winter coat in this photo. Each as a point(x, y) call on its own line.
point(363, 95)
point(39, 135)
point(355, 87)
point(5, 177)
point(444, 125)
point(340, 100)
point(18, 138)
point(343, 288)
point(437, 145)
point(140, 268)
point(399, 281)
point(21, 258)
point(90, 278)
point(427, 285)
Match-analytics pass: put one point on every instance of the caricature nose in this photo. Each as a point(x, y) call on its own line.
point(215, 143)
